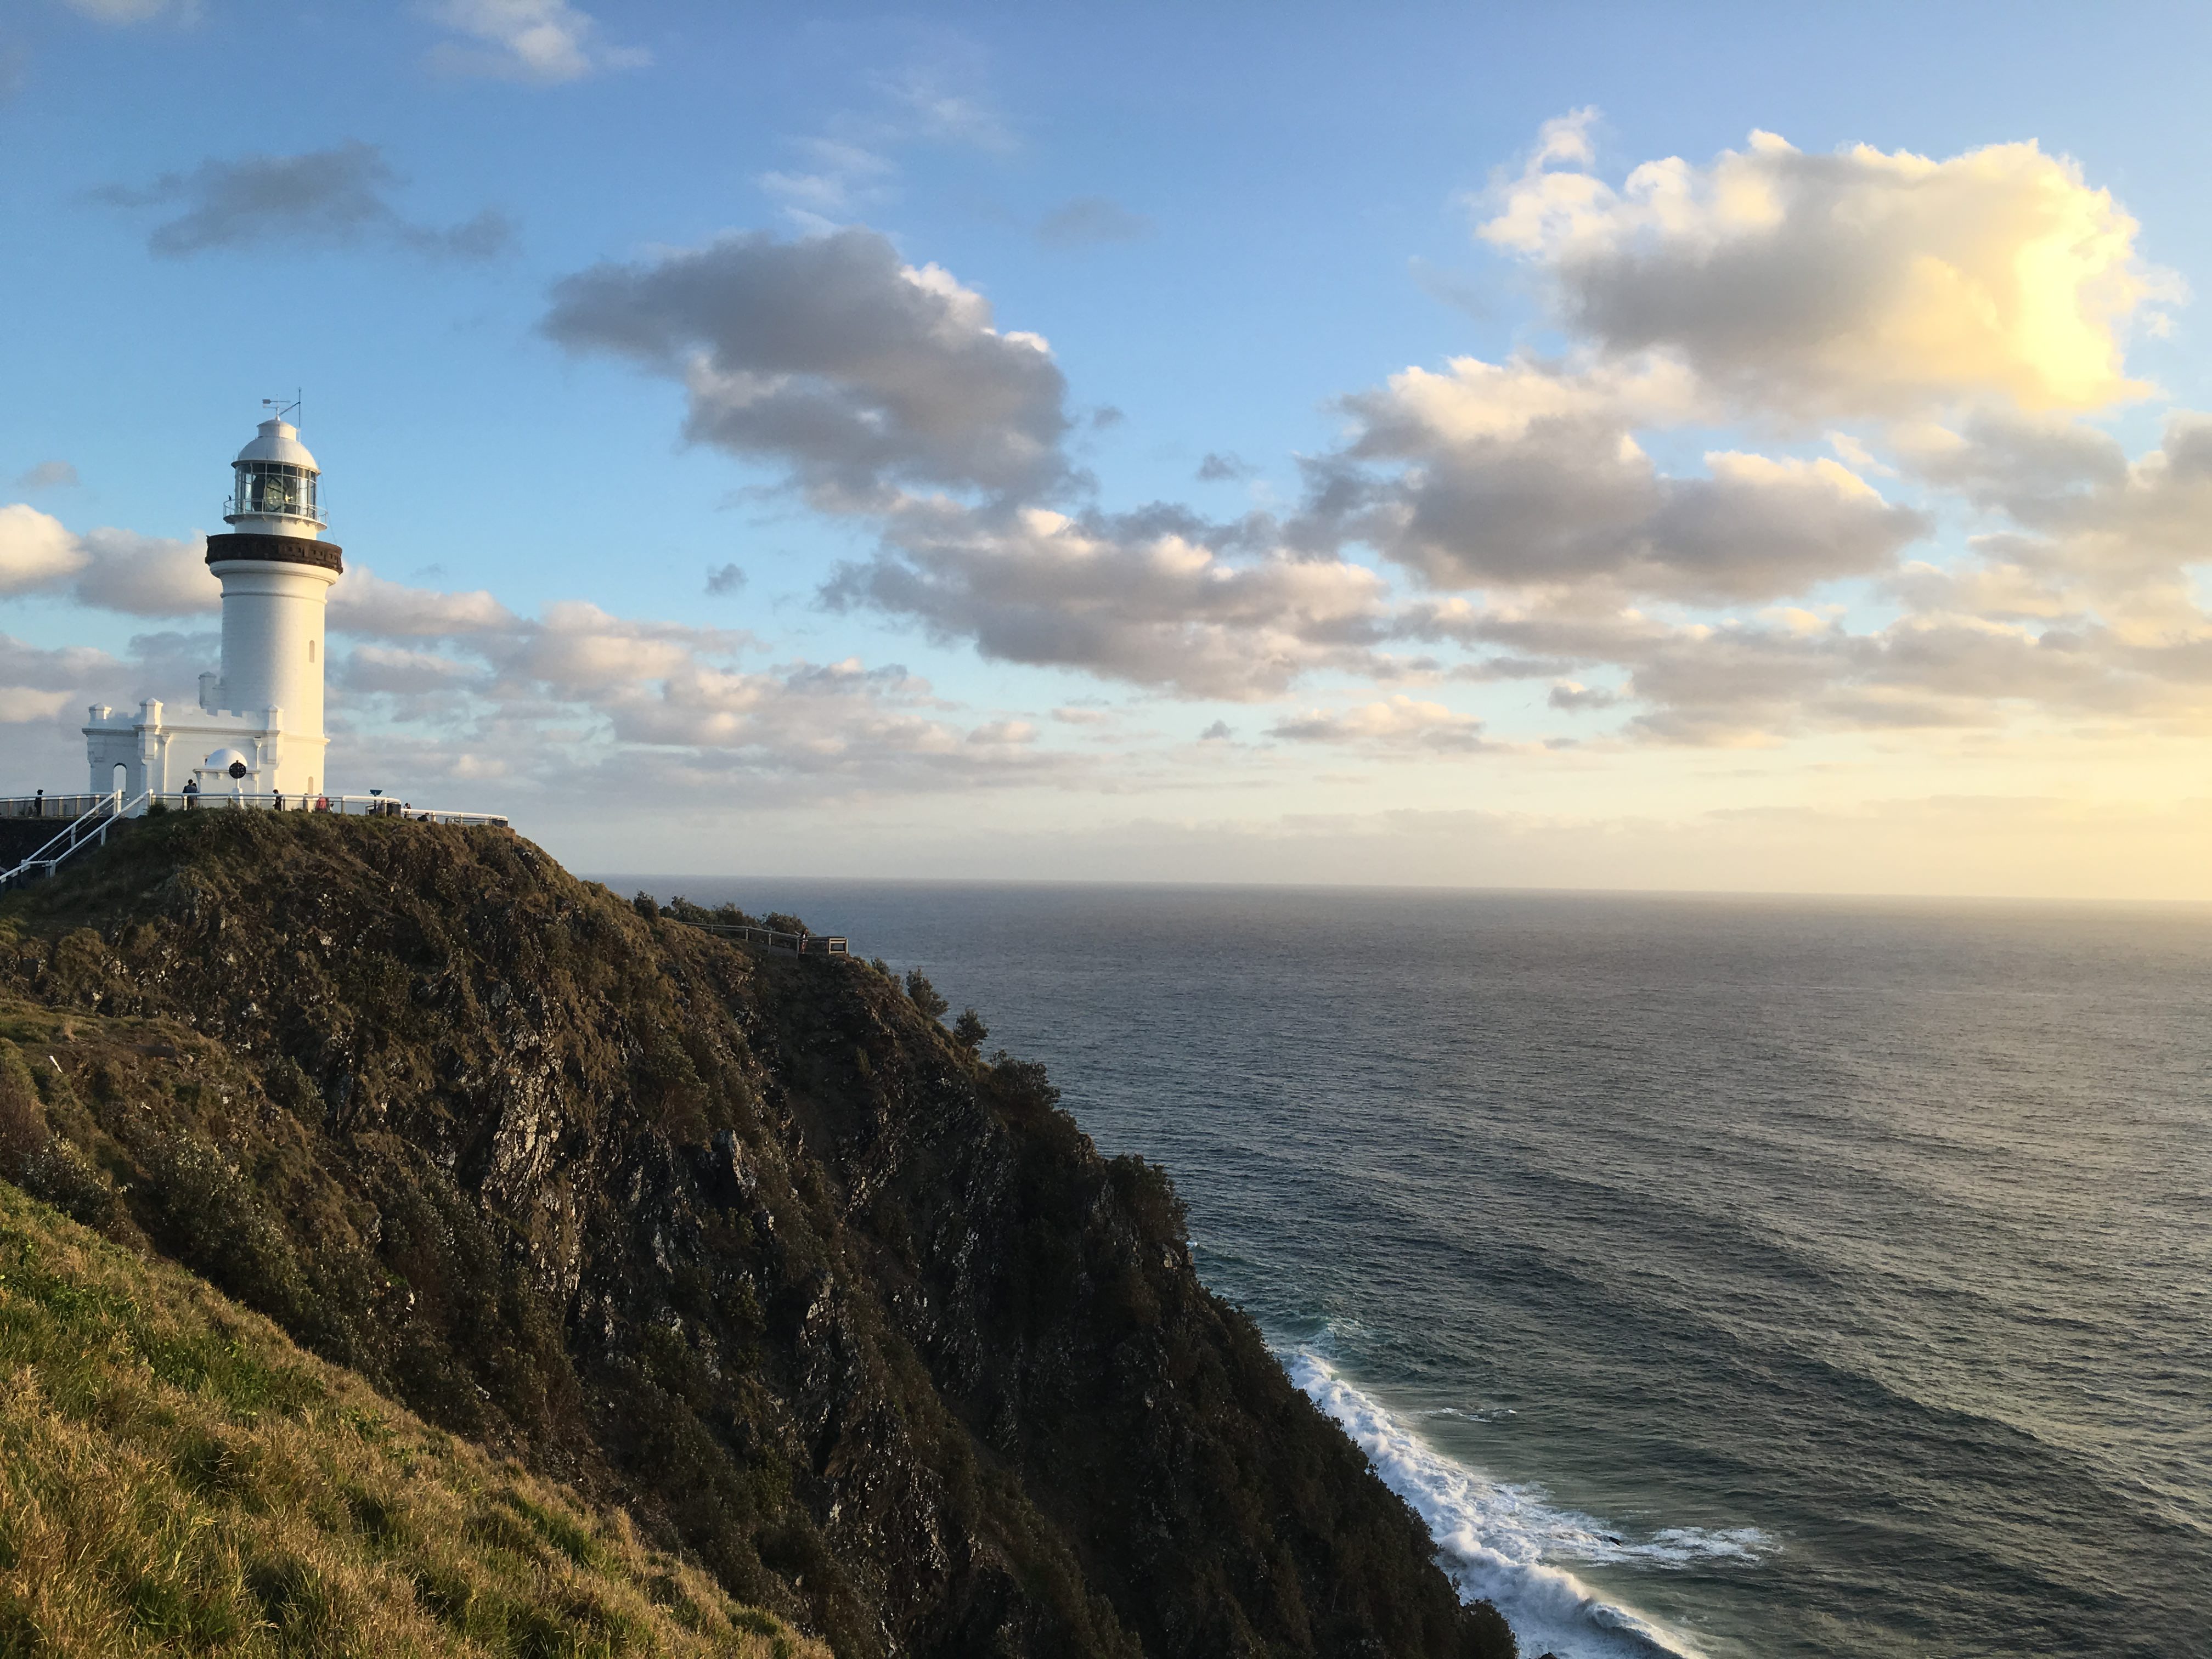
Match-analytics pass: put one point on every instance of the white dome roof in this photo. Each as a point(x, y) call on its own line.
point(223, 759)
point(278, 440)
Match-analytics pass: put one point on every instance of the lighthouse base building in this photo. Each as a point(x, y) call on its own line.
point(259, 728)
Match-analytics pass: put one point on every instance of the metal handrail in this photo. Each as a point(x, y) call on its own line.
point(89, 830)
point(59, 808)
point(237, 507)
point(355, 806)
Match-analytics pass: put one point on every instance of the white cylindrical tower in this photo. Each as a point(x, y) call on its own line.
point(276, 572)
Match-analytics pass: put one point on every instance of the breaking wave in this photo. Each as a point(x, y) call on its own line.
point(1502, 1543)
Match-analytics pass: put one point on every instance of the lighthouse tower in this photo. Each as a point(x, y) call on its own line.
point(258, 729)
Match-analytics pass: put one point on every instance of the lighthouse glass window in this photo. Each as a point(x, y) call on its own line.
point(275, 488)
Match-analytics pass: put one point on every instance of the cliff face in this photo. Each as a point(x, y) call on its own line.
point(746, 1244)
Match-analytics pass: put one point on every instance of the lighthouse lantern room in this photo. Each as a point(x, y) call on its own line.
point(259, 728)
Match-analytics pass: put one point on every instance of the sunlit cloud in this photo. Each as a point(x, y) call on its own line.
point(1856, 283)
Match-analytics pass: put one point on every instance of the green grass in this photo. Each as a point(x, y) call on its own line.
point(177, 1477)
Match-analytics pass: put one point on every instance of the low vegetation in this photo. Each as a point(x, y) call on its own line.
point(177, 1477)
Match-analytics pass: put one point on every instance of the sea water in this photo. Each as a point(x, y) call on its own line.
point(1715, 1277)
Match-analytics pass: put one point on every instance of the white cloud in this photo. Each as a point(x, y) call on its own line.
point(36, 551)
point(365, 604)
point(545, 42)
point(1396, 723)
point(1510, 476)
point(22, 703)
point(1863, 282)
point(146, 576)
point(837, 179)
point(398, 671)
point(1127, 598)
point(836, 358)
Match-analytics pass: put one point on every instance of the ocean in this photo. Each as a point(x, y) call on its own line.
point(1738, 1278)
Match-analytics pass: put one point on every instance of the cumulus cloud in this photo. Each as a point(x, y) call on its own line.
point(22, 703)
point(725, 579)
point(1599, 520)
point(833, 357)
point(1088, 221)
point(48, 475)
point(36, 550)
point(106, 569)
point(1399, 723)
point(544, 42)
point(870, 380)
point(1516, 477)
point(1955, 318)
point(1139, 597)
point(365, 604)
point(399, 671)
point(1863, 281)
point(328, 198)
point(146, 576)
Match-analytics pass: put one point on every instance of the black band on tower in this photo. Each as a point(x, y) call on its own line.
point(275, 550)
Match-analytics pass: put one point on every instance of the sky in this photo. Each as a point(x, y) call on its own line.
point(1709, 447)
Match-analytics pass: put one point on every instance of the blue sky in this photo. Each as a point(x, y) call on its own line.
point(1231, 232)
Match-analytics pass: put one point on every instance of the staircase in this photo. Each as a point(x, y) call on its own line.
point(87, 829)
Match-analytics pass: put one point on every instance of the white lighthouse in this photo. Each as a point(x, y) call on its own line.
point(258, 729)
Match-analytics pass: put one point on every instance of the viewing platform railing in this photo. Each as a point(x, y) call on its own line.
point(351, 806)
point(805, 944)
point(62, 808)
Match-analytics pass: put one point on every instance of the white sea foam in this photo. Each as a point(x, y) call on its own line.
point(1502, 1543)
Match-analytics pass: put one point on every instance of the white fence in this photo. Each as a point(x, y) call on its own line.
point(61, 809)
point(352, 806)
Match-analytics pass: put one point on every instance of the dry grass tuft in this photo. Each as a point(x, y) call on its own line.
point(177, 1477)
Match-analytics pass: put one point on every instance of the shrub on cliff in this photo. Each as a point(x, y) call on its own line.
point(924, 996)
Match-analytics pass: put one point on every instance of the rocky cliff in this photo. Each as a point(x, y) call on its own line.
point(749, 1245)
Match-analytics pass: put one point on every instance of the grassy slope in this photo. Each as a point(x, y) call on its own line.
point(176, 1476)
